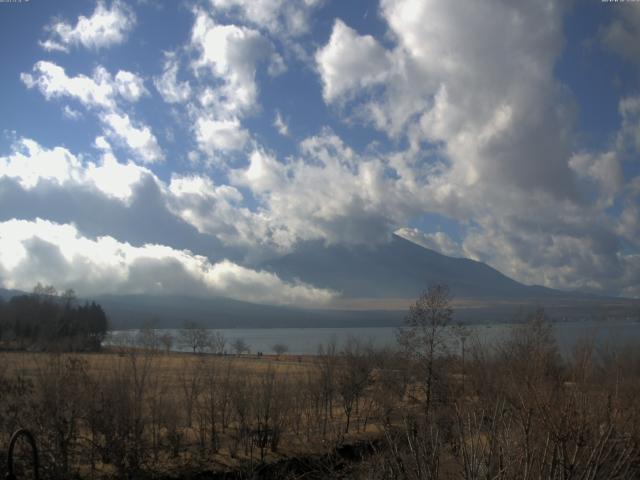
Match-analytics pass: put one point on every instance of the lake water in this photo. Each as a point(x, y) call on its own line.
point(306, 340)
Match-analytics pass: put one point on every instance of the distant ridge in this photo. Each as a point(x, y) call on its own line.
point(173, 311)
point(7, 293)
point(400, 269)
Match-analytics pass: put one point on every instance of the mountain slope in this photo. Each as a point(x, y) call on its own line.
point(399, 269)
point(7, 294)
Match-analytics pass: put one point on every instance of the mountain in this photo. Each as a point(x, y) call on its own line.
point(377, 285)
point(399, 269)
point(7, 294)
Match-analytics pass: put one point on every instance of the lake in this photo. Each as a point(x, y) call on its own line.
point(306, 340)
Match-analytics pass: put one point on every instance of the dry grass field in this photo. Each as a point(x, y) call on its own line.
point(170, 413)
point(516, 411)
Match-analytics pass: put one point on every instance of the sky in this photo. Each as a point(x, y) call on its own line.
point(173, 147)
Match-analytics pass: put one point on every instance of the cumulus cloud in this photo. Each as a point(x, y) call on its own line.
point(476, 80)
point(32, 251)
point(219, 211)
point(170, 88)
point(622, 34)
point(220, 135)
point(490, 135)
point(231, 54)
point(350, 62)
point(479, 130)
point(581, 255)
point(280, 17)
point(604, 170)
point(99, 90)
point(133, 211)
point(107, 26)
point(137, 138)
point(130, 86)
point(134, 204)
point(104, 93)
point(627, 223)
point(71, 113)
point(438, 241)
point(31, 164)
point(629, 136)
point(280, 124)
point(328, 193)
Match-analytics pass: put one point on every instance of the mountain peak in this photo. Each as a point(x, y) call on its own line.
point(397, 269)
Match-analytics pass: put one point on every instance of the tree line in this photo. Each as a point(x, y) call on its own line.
point(47, 319)
point(193, 337)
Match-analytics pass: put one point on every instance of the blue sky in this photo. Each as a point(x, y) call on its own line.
point(172, 147)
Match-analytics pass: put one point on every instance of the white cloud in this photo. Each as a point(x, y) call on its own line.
point(438, 241)
point(582, 255)
point(220, 135)
point(130, 86)
point(51, 253)
point(622, 34)
point(101, 143)
point(603, 169)
point(53, 82)
point(104, 28)
point(172, 90)
point(133, 204)
point(114, 178)
point(70, 113)
point(100, 90)
point(475, 80)
point(263, 174)
point(30, 164)
point(216, 210)
point(628, 222)
point(231, 54)
point(490, 136)
point(629, 136)
point(280, 124)
point(471, 92)
point(103, 92)
point(281, 17)
point(350, 62)
point(137, 138)
point(329, 193)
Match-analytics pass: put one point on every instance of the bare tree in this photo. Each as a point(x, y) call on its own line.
point(191, 382)
point(218, 342)
point(423, 336)
point(353, 376)
point(240, 346)
point(280, 349)
point(166, 340)
point(147, 338)
point(462, 333)
point(195, 336)
point(60, 382)
point(326, 382)
point(123, 340)
point(531, 351)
